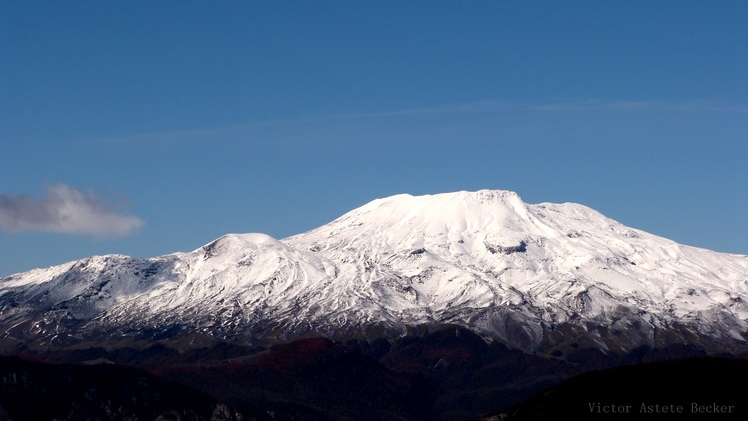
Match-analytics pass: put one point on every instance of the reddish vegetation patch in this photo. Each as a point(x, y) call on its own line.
point(457, 356)
point(304, 352)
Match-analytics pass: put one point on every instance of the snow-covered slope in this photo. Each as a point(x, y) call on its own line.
point(533, 276)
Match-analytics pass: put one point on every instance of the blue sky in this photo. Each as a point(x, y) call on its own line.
point(156, 127)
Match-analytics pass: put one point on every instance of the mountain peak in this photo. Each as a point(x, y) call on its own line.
point(252, 240)
point(430, 215)
point(480, 196)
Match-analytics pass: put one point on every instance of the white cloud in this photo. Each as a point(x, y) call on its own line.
point(65, 210)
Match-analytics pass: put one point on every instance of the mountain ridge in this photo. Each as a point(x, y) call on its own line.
point(537, 277)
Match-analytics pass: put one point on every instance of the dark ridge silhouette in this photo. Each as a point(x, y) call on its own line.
point(446, 373)
point(38, 391)
point(311, 379)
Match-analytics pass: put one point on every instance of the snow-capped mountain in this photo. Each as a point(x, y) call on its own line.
point(533, 276)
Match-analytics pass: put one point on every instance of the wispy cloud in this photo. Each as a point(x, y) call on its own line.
point(641, 105)
point(246, 130)
point(65, 210)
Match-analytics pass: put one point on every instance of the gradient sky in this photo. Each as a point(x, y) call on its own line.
point(145, 128)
